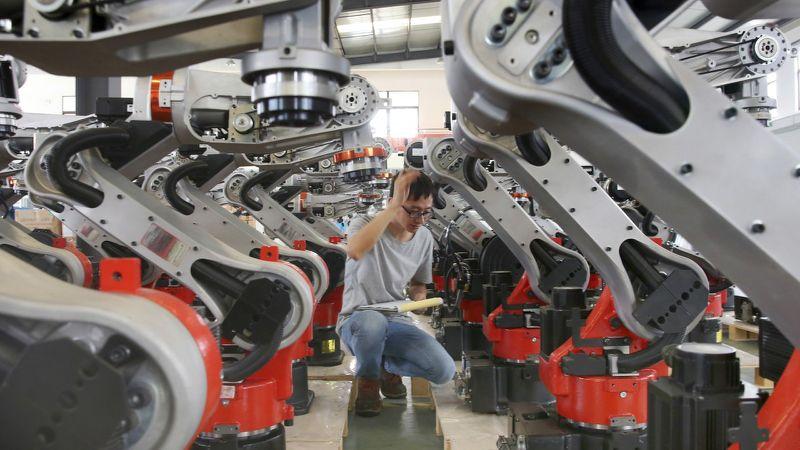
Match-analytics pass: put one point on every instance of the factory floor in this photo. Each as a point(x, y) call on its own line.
point(409, 424)
point(403, 424)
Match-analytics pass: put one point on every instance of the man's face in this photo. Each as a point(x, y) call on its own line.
point(414, 213)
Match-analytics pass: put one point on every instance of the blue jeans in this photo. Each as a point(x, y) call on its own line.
point(404, 349)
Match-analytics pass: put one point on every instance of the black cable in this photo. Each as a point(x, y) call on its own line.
point(649, 356)
point(253, 361)
point(171, 185)
point(634, 261)
point(73, 144)
point(609, 72)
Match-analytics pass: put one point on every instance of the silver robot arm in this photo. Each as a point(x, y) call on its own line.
point(646, 139)
point(294, 74)
point(547, 264)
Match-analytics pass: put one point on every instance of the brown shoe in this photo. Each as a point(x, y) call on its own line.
point(392, 385)
point(368, 399)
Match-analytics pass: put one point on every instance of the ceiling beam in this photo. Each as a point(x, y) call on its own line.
point(348, 5)
point(394, 57)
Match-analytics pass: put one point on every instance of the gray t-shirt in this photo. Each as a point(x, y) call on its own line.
point(382, 273)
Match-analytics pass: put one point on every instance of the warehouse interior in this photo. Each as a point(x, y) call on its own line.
point(395, 224)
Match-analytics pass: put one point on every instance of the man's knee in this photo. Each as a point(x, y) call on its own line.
point(368, 324)
point(443, 370)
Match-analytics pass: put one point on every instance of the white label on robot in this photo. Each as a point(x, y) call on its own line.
point(228, 392)
point(164, 244)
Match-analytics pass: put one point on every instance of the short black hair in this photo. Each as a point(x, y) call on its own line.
point(422, 187)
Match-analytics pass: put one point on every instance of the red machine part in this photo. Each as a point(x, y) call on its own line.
point(123, 275)
point(159, 111)
point(472, 310)
point(88, 277)
point(595, 282)
point(715, 302)
point(438, 283)
point(522, 294)
point(596, 400)
point(515, 344)
point(259, 402)
point(362, 152)
point(183, 293)
point(781, 413)
point(327, 311)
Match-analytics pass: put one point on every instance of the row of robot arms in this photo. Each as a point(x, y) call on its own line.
point(160, 186)
point(558, 64)
point(757, 51)
point(571, 376)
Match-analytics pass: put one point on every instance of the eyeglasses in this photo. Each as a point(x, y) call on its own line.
point(415, 214)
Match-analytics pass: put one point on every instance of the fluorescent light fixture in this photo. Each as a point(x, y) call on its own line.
point(383, 26)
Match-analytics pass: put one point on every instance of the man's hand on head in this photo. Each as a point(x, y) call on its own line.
point(402, 187)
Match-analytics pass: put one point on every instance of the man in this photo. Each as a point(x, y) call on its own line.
point(386, 254)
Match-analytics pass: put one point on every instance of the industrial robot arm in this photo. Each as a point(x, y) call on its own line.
point(144, 373)
point(546, 263)
point(229, 283)
point(508, 83)
point(623, 255)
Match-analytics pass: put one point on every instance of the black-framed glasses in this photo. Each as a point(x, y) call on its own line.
point(425, 214)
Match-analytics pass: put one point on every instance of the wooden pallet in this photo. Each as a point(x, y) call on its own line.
point(325, 426)
point(738, 330)
point(461, 428)
point(343, 372)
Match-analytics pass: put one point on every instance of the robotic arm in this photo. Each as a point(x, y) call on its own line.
point(574, 74)
point(546, 263)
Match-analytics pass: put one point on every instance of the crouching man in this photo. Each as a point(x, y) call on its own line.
point(387, 254)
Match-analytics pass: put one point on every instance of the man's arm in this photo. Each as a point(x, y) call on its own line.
point(366, 238)
point(417, 290)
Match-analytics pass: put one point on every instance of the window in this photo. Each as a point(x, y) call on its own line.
point(772, 85)
point(46, 94)
point(400, 119)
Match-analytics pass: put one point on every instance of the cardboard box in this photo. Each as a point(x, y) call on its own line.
point(38, 218)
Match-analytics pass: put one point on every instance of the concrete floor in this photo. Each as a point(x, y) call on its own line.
point(403, 424)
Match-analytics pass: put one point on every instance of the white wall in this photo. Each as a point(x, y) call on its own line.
point(427, 78)
point(44, 93)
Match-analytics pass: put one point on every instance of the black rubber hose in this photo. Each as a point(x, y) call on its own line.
point(533, 148)
point(261, 179)
point(649, 356)
point(634, 261)
point(647, 224)
point(253, 361)
point(542, 256)
point(438, 198)
point(171, 185)
point(473, 175)
point(212, 274)
point(72, 144)
point(610, 73)
point(618, 194)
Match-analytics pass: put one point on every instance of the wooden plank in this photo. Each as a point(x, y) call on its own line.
point(737, 334)
point(761, 381)
point(746, 359)
point(420, 387)
point(325, 426)
point(729, 319)
point(343, 372)
point(461, 428)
